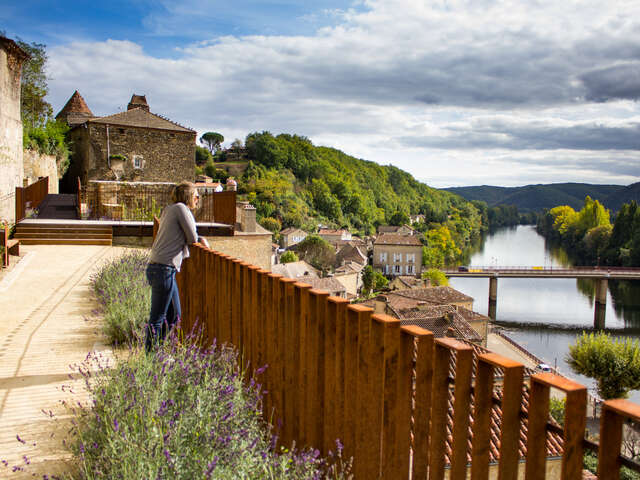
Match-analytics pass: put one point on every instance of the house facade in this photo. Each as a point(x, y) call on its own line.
point(134, 145)
point(11, 155)
point(397, 255)
point(291, 236)
point(333, 236)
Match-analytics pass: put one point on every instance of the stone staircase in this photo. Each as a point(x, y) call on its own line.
point(63, 234)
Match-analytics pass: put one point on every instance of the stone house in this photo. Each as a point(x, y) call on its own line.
point(11, 154)
point(401, 230)
point(351, 253)
point(291, 236)
point(333, 236)
point(134, 145)
point(395, 254)
point(349, 274)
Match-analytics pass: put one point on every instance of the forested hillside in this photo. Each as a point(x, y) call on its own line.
point(296, 184)
point(536, 198)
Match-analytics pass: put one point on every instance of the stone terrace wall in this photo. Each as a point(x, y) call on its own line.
point(10, 133)
point(38, 165)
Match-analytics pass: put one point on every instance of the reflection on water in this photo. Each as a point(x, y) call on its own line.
point(544, 303)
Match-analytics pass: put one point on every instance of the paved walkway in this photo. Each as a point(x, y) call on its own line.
point(46, 325)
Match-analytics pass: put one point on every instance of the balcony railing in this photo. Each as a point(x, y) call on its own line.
point(30, 197)
point(403, 403)
point(141, 201)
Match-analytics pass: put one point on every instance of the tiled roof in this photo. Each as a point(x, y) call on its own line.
point(410, 281)
point(295, 269)
point(349, 267)
point(555, 443)
point(329, 284)
point(394, 239)
point(433, 295)
point(138, 117)
point(351, 253)
point(439, 320)
point(471, 316)
point(75, 111)
point(383, 229)
point(327, 231)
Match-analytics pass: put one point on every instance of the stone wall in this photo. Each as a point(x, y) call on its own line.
point(164, 156)
point(39, 165)
point(10, 132)
point(253, 248)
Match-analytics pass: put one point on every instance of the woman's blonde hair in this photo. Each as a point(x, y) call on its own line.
point(183, 192)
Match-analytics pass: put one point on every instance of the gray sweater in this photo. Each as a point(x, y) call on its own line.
point(177, 231)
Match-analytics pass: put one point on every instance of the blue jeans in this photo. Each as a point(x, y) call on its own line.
point(165, 303)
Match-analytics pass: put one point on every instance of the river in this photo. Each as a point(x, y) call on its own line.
point(545, 314)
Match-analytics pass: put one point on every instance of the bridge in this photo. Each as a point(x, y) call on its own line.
point(601, 274)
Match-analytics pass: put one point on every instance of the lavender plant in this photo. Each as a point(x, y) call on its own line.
point(124, 296)
point(182, 413)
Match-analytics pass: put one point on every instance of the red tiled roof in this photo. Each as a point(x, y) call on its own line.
point(439, 295)
point(394, 239)
point(75, 111)
point(439, 319)
point(555, 443)
point(327, 231)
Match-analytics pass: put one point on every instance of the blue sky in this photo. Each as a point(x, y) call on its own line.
point(457, 92)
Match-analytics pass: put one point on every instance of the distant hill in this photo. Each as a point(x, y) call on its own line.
point(615, 200)
point(538, 197)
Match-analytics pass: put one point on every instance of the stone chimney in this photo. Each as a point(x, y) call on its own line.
point(248, 218)
point(138, 101)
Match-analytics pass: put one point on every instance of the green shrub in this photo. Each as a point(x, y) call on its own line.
point(436, 277)
point(124, 296)
point(288, 257)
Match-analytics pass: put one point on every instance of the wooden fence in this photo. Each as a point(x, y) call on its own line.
point(402, 403)
point(30, 196)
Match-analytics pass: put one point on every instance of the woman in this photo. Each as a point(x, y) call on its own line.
point(177, 231)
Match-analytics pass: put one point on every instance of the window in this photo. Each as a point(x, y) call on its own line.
point(121, 130)
point(410, 270)
point(397, 257)
point(411, 258)
point(137, 161)
point(383, 257)
point(397, 269)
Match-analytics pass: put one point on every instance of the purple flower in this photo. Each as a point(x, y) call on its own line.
point(115, 424)
point(211, 466)
point(167, 455)
point(19, 439)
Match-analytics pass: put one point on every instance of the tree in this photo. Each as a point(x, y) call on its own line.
point(212, 140)
point(613, 363)
point(35, 110)
point(441, 249)
point(399, 218)
point(288, 257)
point(373, 280)
point(203, 155)
point(436, 277)
point(316, 251)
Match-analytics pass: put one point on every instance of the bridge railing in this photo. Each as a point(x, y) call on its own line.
point(541, 269)
point(402, 403)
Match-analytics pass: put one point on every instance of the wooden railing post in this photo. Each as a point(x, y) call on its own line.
point(391, 402)
point(574, 425)
point(334, 371)
point(301, 308)
point(444, 347)
point(614, 413)
point(417, 345)
point(510, 424)
point(286, 344)
point(367, 447)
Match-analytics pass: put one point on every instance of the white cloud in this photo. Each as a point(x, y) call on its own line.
point(455, 92)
